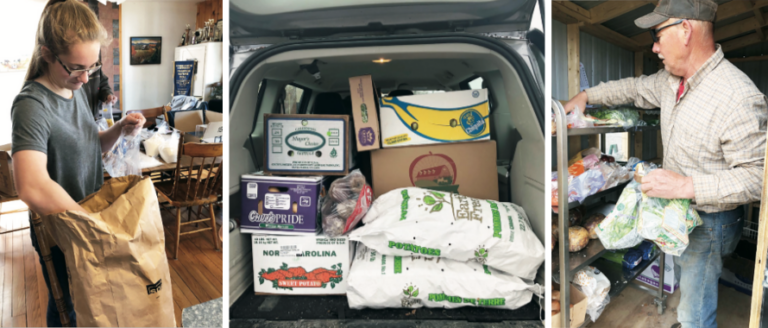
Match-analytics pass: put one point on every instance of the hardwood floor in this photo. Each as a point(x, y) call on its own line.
point(196, 276)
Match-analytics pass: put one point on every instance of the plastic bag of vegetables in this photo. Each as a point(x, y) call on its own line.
point(667, 222)
point(625, 117)
point(619, 229)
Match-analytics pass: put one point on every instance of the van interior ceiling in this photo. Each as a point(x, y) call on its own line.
point(414, 68)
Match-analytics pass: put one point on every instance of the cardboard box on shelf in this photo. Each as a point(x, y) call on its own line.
point(306, 144)
point(6, 171)
point(301, 265)
point(650, 276)
point(578, 311)
point(280, 205)
point(467, 168)
point(435, 118)
point(365, 112)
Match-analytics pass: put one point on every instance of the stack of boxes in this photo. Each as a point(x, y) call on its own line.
point(422, 137)
point(281, 206)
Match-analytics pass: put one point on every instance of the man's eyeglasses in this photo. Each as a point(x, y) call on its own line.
point(78, 72)
point(655, 33)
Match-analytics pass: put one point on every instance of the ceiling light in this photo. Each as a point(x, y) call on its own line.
point(382, 60)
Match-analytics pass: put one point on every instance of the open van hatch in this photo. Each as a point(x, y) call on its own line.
point(441, 62)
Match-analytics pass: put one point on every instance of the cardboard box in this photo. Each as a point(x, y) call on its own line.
point(650, 276)
point(306, 144)
point(365, 111)
point(6, 171)
point(467, 168)
point(280, 205)
point(578, 311)
point(435, 118)
point(213, 132)
point(301, 265)
point(186, 121)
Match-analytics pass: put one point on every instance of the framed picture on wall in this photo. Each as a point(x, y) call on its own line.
point(146, 50)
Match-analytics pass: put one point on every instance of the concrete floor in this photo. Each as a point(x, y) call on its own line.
point(634, 308)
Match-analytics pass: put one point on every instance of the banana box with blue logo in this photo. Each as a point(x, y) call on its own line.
point(435, 118)
point(306, 144)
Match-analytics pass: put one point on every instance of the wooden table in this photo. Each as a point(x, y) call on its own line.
point(169, 167)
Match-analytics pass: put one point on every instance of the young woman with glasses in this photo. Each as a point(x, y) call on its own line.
point(56, 145)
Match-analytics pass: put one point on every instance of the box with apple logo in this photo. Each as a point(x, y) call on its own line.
point(466, 168)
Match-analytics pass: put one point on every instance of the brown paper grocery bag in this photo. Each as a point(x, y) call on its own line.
point(118, 270)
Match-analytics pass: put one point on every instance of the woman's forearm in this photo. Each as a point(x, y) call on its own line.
point(48, 197)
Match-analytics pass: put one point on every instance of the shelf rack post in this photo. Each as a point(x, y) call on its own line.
point(562, 185)
point(661, 299)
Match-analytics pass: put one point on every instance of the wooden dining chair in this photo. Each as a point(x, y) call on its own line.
point(151, 114)
point(194, 185)
point(45, 242)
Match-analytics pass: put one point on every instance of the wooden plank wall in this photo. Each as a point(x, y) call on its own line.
point(574, 71)
point(208, 9)
point(762, 250)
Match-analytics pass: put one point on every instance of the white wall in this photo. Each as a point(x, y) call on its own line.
point(22, 21)
point(147, 86)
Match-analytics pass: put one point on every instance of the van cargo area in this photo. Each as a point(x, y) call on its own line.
point(313, 78)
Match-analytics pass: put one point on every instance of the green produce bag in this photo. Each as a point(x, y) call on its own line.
point(619, 229)
point(667, 222)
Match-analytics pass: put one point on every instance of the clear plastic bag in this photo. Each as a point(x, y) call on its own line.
point(585, 185)
point(614, 174)
point(591, 161)
point(576, 120)
point(631, 162)
point(595, 285)
point(619, 229)
point(169, 150)
point(346, 203)
point(152, 144)
point(125, 156)
point(631, 116)
point(162, 126)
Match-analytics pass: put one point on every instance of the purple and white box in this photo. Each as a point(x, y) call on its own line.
point(651, 275)
point(280, 205)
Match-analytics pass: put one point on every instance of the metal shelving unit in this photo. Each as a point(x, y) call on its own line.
point(561, 257)
point(609, 129)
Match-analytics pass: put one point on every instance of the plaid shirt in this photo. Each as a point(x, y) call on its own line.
point(715, 133)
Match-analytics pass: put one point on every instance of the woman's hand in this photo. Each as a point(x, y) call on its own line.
point(132, 123)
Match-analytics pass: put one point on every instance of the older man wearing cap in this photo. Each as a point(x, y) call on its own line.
point(713, 126)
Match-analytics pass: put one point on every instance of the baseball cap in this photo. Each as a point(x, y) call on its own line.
point(703, 10)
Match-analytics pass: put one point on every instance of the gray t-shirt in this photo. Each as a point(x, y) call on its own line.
point(63, 129)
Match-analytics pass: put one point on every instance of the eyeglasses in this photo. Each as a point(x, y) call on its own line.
point(79, 72)
point(655, 33)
